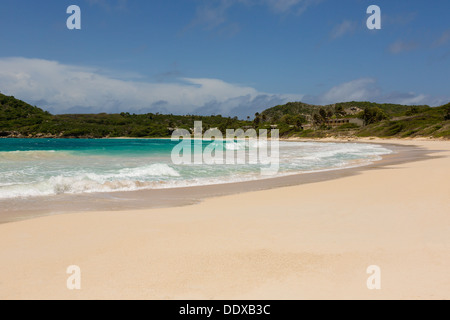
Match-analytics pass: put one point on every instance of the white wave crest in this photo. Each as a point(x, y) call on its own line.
point(128, 179)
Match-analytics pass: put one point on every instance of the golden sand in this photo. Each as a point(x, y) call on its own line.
point(303, 242)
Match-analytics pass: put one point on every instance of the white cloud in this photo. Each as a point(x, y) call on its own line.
point(443, 39)
point(292, 6)
point(212, 14)
point(342, 29)
point(62, 88)
point(402, 46)
point(356, 90)
point(410, 98)
point(367, 89)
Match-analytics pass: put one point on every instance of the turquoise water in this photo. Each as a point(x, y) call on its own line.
point(46, 167)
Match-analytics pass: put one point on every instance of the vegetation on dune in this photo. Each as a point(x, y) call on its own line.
point(275, 114)
point(433, 122)
point(447, 112)
point(340, 110)
point(390, 109)
point(380, 120)
point(294, 119)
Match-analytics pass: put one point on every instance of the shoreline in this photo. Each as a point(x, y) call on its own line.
point(31, 208)
point(298, 139)
point(310, 241)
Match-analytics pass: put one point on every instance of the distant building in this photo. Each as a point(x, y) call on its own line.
point(340, 122)
point(357, 121)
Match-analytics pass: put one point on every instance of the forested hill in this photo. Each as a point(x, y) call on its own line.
point(295, 119)
point(12, 109)
point(344, 108)
point(380, 120)
point(19, 119)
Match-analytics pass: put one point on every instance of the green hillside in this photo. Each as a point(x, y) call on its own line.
point(381, 120)
point(299, 108)
point(292, 108)
point(294, 119)
point(19, 119)
point(16, 114)
point(433, 122)
point(388, 108)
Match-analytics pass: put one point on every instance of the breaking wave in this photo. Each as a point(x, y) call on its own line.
point(129, 167)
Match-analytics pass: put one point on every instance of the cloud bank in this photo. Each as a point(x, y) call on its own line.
point(61, 88)
point(368, 89)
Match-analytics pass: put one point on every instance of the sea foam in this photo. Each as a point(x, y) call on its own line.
point(91, 166)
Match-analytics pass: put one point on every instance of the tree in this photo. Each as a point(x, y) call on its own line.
point(257, 120)
point(412, 111)
point(340, 112)
point(329, 114)
point(287, 119)
point(323, 114)
point(275, 118)
point(373, 115)
point(264, 118)
point(291, 120)
point(317, 119)
point(299, 120)
point(447, 116)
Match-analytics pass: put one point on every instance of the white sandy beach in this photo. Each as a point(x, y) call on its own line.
point(303, 242)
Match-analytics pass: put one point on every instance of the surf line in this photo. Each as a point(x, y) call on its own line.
point(190, 149)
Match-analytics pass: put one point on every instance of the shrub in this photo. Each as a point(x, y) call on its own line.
point(373, 115)
point(447, 115)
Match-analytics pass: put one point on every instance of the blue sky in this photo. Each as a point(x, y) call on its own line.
point(230, 57)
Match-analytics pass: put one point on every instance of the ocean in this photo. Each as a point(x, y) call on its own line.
point(46, 167)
